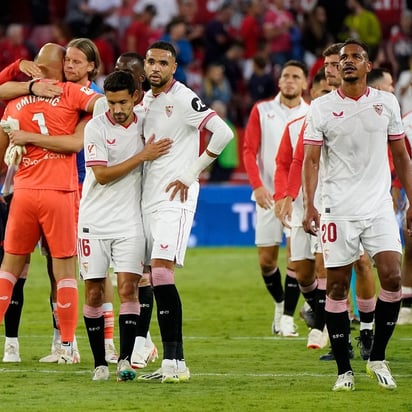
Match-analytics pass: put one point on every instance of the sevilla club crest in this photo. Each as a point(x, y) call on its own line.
point(378, 108)
point(169, 110)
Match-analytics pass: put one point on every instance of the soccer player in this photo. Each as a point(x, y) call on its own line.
point(263, 132)
point(82, 61)
point(308, 261)
point(381, 79)
point(170, 192)
point(8, 90)
point(81, 66)
point(44, 190)
point(144, 351)
point(353, 125)
point(110, 222)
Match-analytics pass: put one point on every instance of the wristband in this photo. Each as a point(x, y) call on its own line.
point(31, 85)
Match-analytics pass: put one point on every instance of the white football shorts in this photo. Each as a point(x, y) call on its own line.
point(167, 234)
point(97, 255)
point(342, 240)
point(269, 229)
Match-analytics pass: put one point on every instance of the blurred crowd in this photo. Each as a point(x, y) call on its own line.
point(229, 51)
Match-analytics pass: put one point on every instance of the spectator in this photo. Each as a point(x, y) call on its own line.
point(362, 24)
point(188, 11)
point(315, 34)
point(14, 46)
point(77, 20)
point(176, 34)
point(139, 34)
point(104, 11)
point(164, 14)
point(232, 63)
point(399, 46)
point(215, 85)
point(277, 25)
point(251, 33)
point(261, 84)
point(217, 36)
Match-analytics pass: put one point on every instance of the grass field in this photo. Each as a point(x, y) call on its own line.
point(236, 364)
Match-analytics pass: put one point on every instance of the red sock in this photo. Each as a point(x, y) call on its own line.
point(67, 308)
point(108, 314)
point(7, 282)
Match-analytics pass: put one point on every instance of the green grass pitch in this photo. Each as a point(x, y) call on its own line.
point(235, 361)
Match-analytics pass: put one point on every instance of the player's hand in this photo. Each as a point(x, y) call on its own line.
point(19, 137)
point(278, 207)
point(47, 88)
point(178, 187)
point(30, 68)
point(285, 213)
point(14, 154)
point(263, 197)
point(152, 150)
point(311, 221)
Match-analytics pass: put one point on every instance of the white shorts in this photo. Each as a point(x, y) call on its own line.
point(269, 229)
point(302, 245)
point(167, 234)
point(97, 255)
point(341, 239)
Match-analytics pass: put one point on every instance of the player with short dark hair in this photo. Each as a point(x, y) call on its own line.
point(352, 126)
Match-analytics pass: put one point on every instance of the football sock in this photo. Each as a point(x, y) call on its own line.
point(309, 293)
point(386, 315)
point(146, 309)
point(7, 282)
point(320, 298)
point(94, 322)
point(292, 293)
point(128, 320)
point(67, 308)
point(108, 314)
point(168, 316)
point(179, 347)
point(339, 329)
point(273, 282)
point(13, 314)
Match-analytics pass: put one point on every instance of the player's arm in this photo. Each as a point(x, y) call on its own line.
point(44, 88)
point(221, 136)
point(402, 163)
point(90, 106)
point(251, 144)
point(71, 143)
point(310, 171)
point(151, 151)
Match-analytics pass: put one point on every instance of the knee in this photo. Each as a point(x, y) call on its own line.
point(94, 295)
point(391, 280)
point(128, 290)
point(338, 290)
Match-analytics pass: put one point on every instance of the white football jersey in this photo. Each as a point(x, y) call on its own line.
point(354, 135)
point(111, 210)
point(178, 114)
point(274, 117)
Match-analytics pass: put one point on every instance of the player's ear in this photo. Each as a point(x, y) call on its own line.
point(369, 67)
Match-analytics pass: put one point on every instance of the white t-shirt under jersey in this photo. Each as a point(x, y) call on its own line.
point(111, 210)
point(354, 134)
point(178, 114)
